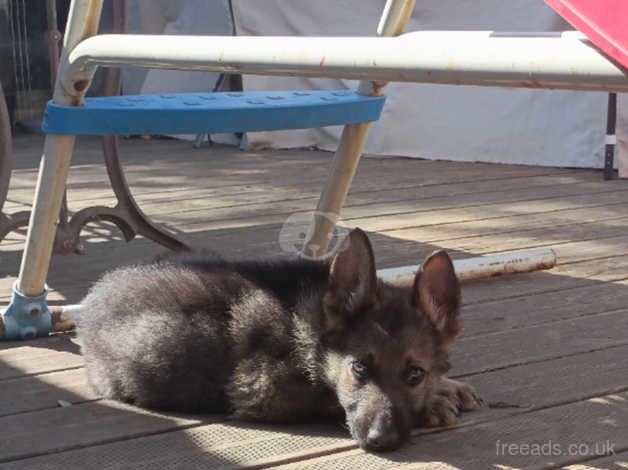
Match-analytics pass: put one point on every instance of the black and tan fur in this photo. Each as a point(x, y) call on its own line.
point(281, 341)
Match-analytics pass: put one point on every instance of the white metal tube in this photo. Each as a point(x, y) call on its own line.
point(482, 267)
point(561, 60)
point(53, 171)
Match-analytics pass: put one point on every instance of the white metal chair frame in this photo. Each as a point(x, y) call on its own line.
point(563, 60)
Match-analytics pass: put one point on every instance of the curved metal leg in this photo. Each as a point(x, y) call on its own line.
point(127, 210)
point(126, 215)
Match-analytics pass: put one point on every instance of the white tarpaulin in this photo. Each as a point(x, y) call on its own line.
point(194, 17)
point(560, 128)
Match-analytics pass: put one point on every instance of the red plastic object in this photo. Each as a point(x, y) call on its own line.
point(604, 22)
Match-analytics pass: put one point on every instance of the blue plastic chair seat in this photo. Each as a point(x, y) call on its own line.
point(196, 113)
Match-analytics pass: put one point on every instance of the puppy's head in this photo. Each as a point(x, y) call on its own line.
point(385, 345)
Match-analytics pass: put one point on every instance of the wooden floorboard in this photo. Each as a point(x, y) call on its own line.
point(471, 446)
point(35, 357)
point(541, 347)
point(480, 449)
point(617, 461)
point(44, 390)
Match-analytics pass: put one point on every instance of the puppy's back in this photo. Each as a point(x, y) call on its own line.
point(155, 335)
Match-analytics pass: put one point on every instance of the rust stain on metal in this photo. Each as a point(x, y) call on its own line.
point(81, 85)
point(546, 265)
point(533, 83)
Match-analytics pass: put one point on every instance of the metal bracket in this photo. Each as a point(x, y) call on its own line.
point(26, 317)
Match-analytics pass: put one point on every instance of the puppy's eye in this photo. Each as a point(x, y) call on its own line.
point(359, 369)
point(414, 375)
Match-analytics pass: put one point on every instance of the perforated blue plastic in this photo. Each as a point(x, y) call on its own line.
point(195, 113)
point(26, 317)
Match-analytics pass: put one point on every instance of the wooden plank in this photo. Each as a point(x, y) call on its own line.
point(212, 446)
point(533, 344)
point(235, 444)
point(289, 174)
point(266, 197)
point(394, 193)
point(437, 233)
point(44, 391)
point(228, 158)
point(219, 206)
point(618, 461)
point(544, 308)
point(53, 430)
point(259, 192)
point(535, 386)
point(267, 227)
point(479, 447)
point(512, 223)
point(19, 359)
point(547, 236)
point(87, 166)
point(377, 217)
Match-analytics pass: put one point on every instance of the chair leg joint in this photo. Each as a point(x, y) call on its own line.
point(26, 317)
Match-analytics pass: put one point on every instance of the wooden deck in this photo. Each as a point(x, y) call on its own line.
point(548, 350)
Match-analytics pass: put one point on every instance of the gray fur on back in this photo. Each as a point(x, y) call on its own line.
point(179, 337)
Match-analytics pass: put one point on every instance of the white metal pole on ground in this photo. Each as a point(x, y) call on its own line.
point(482, 267)
point(83, 22)
point(479, 267)
point(392, 23)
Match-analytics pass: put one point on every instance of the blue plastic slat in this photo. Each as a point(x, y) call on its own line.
point(194, 113)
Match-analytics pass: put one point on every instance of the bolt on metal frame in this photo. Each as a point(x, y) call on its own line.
point(562, 60)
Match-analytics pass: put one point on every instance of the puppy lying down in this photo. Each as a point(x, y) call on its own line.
point(284, 341)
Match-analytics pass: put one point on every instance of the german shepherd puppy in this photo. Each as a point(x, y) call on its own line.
point(281, 341)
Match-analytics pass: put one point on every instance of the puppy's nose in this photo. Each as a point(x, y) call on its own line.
point(382, 438)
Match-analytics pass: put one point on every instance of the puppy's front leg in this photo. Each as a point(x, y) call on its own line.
point(446, 400)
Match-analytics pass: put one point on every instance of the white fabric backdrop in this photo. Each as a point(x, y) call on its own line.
point(196, 17)
point(559, 128)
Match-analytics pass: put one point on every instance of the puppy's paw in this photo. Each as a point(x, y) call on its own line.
point(463, 394)
point(439, 411)
point(446, 400)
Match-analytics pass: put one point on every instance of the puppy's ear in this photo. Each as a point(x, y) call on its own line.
point(352, 279)
point(437, 294)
